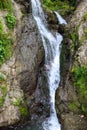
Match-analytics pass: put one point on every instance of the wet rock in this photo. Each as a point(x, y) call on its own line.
point(21, 72)
point(39, 105)
point(26, 5)
point(29, 55)
point(51, 19)
point(73, 53)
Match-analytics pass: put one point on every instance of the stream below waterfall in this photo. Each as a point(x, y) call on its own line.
point(52, 46)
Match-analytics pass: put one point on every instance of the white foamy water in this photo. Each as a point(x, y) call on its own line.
point(60, 19)
point(51, 45)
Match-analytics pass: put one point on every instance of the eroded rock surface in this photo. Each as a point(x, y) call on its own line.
point(73, 53)
point(21, 71)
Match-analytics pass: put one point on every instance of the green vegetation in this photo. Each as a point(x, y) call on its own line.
point(6, 38)
point(24, 112)
point(55, 5)
point(72, 2)
point(2, 77)
point(10, 21)
point(5, 44)
point(74, 106)
point(85, 31)
point(3, 90)
point(74, 38)
point(80, 80)
point(23, 109)
point(61, 5)
point(85, 16)
point(17, 102)
point(73, 35)
point(5, 47)
point(84, 37)
point(6, 5)
point(1, 27)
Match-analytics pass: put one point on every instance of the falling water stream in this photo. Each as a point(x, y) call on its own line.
point(51, 45)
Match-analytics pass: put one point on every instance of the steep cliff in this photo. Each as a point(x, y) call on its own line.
point(71, 96)
point(22, 74)
point(18, 75)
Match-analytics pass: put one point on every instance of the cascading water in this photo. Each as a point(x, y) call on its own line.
point(60, 19)
point(52, 53)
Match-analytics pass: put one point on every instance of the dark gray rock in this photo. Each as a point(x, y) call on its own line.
point(29, 55)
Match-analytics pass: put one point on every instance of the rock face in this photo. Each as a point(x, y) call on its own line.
point(21, 71)
point(73, 53)
point(29, 55)
point(24, 78)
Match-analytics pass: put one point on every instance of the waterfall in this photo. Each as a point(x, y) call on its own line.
point(60, 19)
point(51, 45)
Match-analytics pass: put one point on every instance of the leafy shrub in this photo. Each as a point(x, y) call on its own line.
point(10, 21)
point(5, 40)
point(63, 6)
point(80, 80)
point(2, 51)
point(5, 47)
point(55, 5)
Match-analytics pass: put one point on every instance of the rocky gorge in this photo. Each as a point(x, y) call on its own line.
point(26, 98)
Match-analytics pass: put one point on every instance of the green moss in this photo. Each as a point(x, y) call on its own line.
point(24, 111)
point(4, 93)
point(74, 106)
